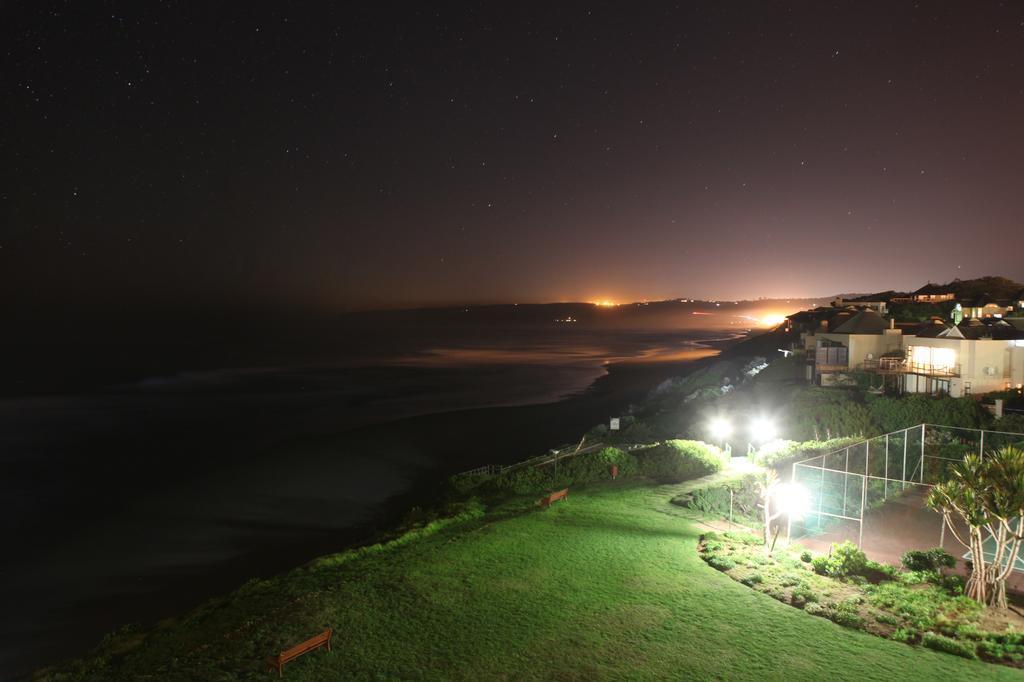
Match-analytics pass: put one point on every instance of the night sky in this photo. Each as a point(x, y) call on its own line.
point(340, 156)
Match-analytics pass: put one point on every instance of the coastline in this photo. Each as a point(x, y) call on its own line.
point(429, 447)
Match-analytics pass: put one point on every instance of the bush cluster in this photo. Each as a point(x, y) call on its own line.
point(715, 500)
point(845, 559)
point(933, 559)
point(827, 413)
point(780, 453)
point(803, 595)
point(675, 461)
point(585, 468)
point(721, 563)
point(949, 645)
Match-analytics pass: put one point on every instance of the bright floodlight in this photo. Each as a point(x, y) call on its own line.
point(762, 430)
point(792, 499)
point(720, 428)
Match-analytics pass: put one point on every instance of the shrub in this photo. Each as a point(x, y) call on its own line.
point(780, 453)
point(803, 594)
point(905, 635)
point(927, 560)
point(950, 646)
point(887, 618)
point(892, 414)
point(816, 609)
point(846, 559)
point(591, 466)
point(918, 577)
point(744, 538)
point(595, 466)
point(805, 557)
point(721, 563)
point(890, 572)
point(848, 618)
point(740, 497)
point(676, 461)
point(826, 413)
point(789, 580)
point(1001, 652)
point(752, 580)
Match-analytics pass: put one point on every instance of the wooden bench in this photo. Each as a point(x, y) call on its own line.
point(553, 497)
point(311, 644)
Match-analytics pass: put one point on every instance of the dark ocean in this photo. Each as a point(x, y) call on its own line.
point(131, 499)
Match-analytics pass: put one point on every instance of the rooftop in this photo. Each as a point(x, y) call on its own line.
point(862, 322)
point(990, 328)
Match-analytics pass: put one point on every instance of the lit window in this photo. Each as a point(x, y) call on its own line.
point(937, 358)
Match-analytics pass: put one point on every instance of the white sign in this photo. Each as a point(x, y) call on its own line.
point(614, 426)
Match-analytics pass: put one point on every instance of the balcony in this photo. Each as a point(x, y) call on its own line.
point(905, 366)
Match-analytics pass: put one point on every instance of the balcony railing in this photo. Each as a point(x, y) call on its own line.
point(904, 366)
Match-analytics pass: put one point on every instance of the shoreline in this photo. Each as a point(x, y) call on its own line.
point(432, 446)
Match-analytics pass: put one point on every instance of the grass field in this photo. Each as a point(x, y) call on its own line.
point(605, 585)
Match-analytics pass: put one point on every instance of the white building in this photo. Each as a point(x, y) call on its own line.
point(851, 341)
point(974, 357)
point(978, 356)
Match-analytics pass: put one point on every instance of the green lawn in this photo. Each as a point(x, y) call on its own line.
point(605, 585)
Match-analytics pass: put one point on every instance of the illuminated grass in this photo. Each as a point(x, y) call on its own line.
point(606, 585)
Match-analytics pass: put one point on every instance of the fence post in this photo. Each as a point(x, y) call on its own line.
point(730, 506)
point(821, 490)
point(863, 502)
point(903, 476)
point(885, 495)
point(846, 477)
point(789, 517)
point(922, 453)
point(981, 448)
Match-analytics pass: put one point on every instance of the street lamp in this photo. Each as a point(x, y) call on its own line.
point(791, 500)
point(763, 430)
point(721, 429)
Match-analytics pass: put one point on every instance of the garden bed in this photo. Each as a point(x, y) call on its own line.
point(920, 607)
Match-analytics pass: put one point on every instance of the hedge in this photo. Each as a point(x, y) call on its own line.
point(675, 461)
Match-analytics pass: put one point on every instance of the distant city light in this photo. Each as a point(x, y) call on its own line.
point(605, 303)
point(773, 320)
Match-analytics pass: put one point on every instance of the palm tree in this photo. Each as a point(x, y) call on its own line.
point(987, 495)
point(957, 499)
point(1003, 499)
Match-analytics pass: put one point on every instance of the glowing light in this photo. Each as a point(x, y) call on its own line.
point(773, 320)
point(937, 358)
point(605, 303)
point(792, 499)
point(720, 428)
point(762, 430)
